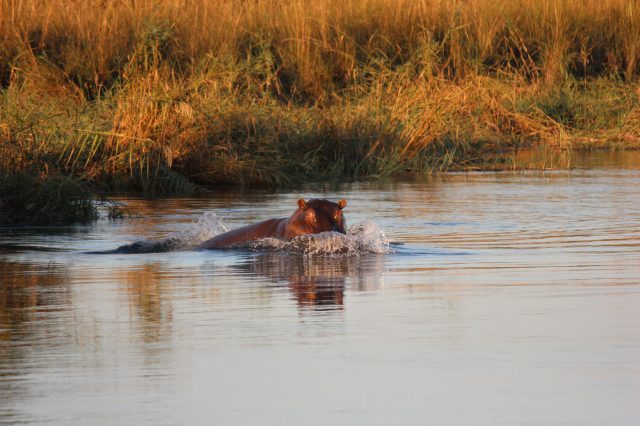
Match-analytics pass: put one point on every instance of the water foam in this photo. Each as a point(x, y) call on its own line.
point(361, 238)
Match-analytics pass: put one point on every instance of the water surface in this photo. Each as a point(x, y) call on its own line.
point(504, 298)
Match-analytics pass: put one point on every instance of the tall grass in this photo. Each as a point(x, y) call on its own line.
point(161, 95)
point(315, 46)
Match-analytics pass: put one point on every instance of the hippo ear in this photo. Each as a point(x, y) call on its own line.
point(302, 204)
point(342, 204)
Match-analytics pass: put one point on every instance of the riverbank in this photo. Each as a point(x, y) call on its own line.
point(103, 98)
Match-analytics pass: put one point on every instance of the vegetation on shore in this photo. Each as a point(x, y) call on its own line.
point(161, 96)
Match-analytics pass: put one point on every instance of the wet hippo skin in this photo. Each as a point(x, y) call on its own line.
point(311, 217)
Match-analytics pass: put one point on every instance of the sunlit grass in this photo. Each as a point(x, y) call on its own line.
point(160, 95)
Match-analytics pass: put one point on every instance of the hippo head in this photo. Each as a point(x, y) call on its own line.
point(323, 215)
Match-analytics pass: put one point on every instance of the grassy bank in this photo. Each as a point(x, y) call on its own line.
point(161, 96)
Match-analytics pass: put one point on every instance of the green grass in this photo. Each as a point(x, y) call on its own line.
point(164, 97)
point(56, 199)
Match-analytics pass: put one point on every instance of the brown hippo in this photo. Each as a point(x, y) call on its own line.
point(311, 217)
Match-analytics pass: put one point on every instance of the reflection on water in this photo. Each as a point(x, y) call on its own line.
point(316, 282)
point(28, 291)
point(145, 287)
point(29, 294)
point(505, 298)
point(544, 157)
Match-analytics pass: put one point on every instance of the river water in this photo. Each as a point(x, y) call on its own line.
point(479, 298)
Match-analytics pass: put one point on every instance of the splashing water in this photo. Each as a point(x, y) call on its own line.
point(361, 238)
point(370, 237)
point(208, 226)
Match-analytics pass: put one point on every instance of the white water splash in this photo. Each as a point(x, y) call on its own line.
point(369, 237)
point(208, 226)
point(361, 238)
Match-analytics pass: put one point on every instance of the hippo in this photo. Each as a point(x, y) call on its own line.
point(311, 217)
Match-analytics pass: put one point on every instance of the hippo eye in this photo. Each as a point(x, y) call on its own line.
point(311, 216)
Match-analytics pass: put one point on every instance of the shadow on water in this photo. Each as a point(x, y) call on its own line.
point(19, 248)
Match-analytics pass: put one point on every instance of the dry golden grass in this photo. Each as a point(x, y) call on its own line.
point(158, 95)
point(315, 43)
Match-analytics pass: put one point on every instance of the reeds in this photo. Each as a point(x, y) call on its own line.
point(316, 44)
point(159, 95)
point(57, 199)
